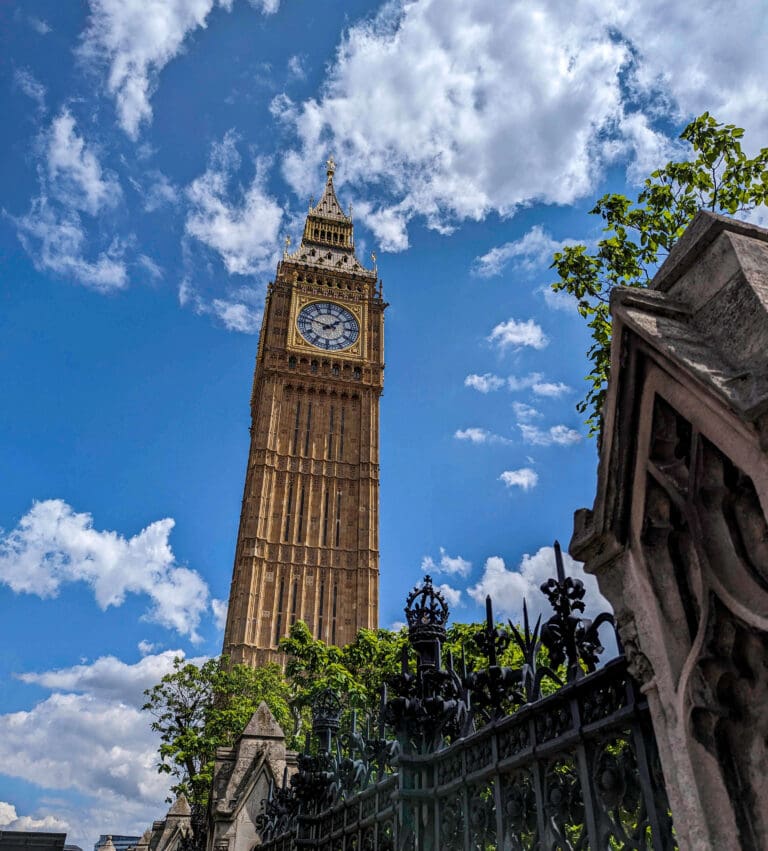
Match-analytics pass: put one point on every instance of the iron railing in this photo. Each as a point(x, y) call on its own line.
point(483, 760)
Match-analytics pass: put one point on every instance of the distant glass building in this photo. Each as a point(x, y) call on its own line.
point(121, 843)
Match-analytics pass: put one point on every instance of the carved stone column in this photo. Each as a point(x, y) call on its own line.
point(678, 537)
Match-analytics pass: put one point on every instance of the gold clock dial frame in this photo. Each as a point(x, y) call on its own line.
point(297, 343)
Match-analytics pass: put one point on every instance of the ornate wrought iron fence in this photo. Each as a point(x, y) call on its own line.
point(483, 760)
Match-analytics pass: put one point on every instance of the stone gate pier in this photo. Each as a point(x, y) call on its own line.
point(678, 537)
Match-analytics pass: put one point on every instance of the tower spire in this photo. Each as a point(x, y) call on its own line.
point(328, 239)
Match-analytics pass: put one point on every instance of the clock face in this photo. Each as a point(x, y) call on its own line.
point(328, 326)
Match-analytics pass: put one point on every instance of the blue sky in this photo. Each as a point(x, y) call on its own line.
point(155, 155)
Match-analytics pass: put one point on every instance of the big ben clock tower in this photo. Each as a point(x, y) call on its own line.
point(307, 547)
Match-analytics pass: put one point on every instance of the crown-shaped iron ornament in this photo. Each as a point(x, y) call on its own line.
point(425, 607)
point(326, 716)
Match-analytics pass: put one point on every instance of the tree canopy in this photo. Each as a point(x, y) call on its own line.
point(197, 709)
point(639, 234)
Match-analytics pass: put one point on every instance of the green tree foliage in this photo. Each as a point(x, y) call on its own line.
point(639, 234)
point(356, 672)
point(200, 708)
point(197, 709)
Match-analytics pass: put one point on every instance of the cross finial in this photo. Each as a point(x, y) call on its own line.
point(330, 166)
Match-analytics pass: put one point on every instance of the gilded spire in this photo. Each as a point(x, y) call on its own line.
point(328, 239)
point(328, 206)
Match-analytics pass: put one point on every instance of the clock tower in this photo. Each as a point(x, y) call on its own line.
point(307, 546)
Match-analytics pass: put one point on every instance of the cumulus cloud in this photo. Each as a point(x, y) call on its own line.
point(220, 608)
point(452, 565)
point(109, 678)
point(532, 251)
point(146, 647)
point(525, 478)
point(524, 382)
point(484, 383)
point(558, 300)
point(74, 170)
point(513, 334)
point(56, 241)
point(242, 312)
point(508, 587)
point(552, 389)
point(236, 316)
point(524, 412)
point(458, 85)
point(9, 820)
point(452, 595)
point(479, 435)
point(53, 545)
point(559, 435)
point(136, 39)
point(242, 226)
point(75, 741)
point(89, 737)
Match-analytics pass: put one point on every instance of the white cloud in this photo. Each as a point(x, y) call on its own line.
point(524, 478)
point(28, 84)
point(220, 608)
point(74, 171)
point(242, 312)
point(721, 70)
point(76, 742)
point(524, 382)
point(52, 545)
point(39, 25)
point(56, 242)
point(109, 678)
point(90, 738)
point(9, 820)
point(388, 224)
point(473, 435)
point(236, 316)
point(452, 595)
point(296, 67)
point(150, 267)
point(484, 383)
point(559, 434)
point(524, 412)
point(533, 250)
point(452, 565)
point(146, 647)
point(551, 389)
point(244, 230)
point(509, 587)
point(159, 192)
point(558, 300)
point(457, 85)
point(515, 334)
point(479, 435)
point(136, 39)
